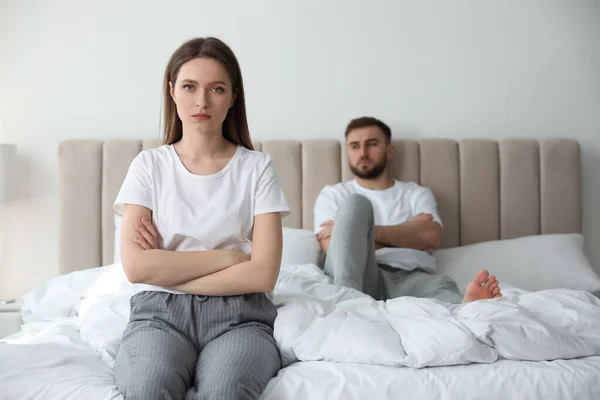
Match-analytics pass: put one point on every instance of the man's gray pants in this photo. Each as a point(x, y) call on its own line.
point(222, 345)
point(351, 261)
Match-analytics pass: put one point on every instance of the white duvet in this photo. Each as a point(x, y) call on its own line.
point(84, 313)
point(318, 321)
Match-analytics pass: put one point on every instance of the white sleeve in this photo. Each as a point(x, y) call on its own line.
point(137, 186)
point(269, 195)
point(325, 208)
point(424, 202)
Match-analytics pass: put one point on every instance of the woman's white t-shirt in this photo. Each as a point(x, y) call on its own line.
point(202, 212)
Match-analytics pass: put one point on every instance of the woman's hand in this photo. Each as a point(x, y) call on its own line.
point(148, 235)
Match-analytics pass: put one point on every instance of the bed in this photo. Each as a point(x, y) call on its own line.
point(512, 206)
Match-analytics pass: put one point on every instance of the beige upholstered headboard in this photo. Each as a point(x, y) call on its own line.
point(486, 189)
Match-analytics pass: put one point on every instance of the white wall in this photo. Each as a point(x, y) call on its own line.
point(93, 69)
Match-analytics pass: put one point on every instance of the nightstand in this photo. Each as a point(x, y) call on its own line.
point(10, 318)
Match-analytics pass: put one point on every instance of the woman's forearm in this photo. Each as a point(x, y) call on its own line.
point(242, 278)
point(168, 268)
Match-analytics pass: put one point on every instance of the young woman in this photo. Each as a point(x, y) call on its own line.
point(202, 240)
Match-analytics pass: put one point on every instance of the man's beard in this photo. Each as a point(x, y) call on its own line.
point(372, 173)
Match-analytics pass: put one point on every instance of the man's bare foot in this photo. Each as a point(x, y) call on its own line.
point(483, 287)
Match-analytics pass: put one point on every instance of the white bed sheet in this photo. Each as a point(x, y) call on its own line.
point(74, 323)
point(564, 380)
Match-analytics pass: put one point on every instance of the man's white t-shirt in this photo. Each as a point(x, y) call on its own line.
point(392, 206)
point(202, 212)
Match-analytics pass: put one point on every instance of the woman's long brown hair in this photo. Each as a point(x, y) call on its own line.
point(235, 126)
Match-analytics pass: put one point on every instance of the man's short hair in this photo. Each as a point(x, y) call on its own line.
point(364, 122)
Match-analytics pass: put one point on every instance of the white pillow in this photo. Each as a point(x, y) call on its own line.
point(532, 262)
point(117, 242)
point(300, 246)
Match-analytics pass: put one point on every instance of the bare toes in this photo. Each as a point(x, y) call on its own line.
point(496, 291)
point(494, 285)
point(490, 280)
point(481, 277)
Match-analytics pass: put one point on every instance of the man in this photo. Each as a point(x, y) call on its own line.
point(378, 232)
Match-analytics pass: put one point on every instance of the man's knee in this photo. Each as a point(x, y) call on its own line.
point(355, 205)
point(355, 200)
